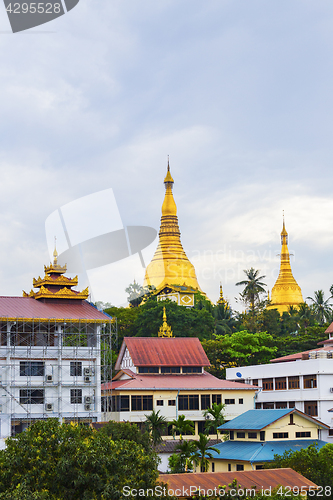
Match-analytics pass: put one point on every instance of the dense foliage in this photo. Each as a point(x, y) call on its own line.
point(230, 338)
point(52, 461)
point(314, 464)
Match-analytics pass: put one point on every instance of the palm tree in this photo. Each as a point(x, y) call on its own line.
point(187, 449)
point(203, 452)
point(253, 286)
point(321, 308)
point(182, 426)
point(155, 425)
point(216, 412)
point(305, 315)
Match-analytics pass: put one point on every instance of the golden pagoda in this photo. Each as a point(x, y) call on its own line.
point(222, 301)
point(54, 285)
point(165, 329)
point(170, 266)
point(285, 292)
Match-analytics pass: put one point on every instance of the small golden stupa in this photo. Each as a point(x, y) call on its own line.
point(165, 329)
point(286, 291)
point(54, 285)
point(170, 265)
point(222, 301)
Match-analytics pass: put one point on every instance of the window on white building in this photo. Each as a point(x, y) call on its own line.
point(75, 369)
point(32, 368)
point(31, 396)
point(76, 396)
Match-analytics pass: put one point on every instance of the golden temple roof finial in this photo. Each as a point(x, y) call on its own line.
point(165, 329)
point(168, 181)
point(222, 300)
point(55, 253)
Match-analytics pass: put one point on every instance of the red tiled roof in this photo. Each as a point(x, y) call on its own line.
point(29, 308)
point(158, 351)
point(202, 381)
point(181, 484)
point(329, 329)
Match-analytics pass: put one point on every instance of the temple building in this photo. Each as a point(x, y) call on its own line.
point(50, 357)
point(170, 272)
point(286, 291)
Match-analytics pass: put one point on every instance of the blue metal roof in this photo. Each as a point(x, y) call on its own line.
point(260, 452)
point(255, 419)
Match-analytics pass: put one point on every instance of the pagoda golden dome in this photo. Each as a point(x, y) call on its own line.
point(170, 264)
point(286, 291)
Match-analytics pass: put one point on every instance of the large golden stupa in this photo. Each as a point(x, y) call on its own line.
point(286, 291)
point(170, 265)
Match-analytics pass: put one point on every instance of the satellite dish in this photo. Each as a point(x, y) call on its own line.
point(239, 375)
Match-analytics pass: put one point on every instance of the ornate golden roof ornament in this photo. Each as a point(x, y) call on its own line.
point(54, 285)
point(170, 264)
point(165, 329)
point(286, 291)
point(222, 300)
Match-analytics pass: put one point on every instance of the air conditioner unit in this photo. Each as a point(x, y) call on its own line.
point(88, 372)
point(87, 407)
point(86, 380)
point(48, 406)
point(331, 389)
point(49, 378)
point(88, 399)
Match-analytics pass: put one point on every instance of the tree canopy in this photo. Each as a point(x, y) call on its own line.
point(53, 461)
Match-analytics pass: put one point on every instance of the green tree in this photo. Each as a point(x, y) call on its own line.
point(135, 293)
point(128, 431)
point(214, 417)
point(203, 452)
point(314, 464)
point(73, 462)
point(155, 424)
point(253, 287)
point(182, 426)
point(240, 348)
point(183, 461)
point(321, 308)
point(185, 322)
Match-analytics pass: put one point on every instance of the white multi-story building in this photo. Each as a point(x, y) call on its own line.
point(303, 381)
point(50, 354)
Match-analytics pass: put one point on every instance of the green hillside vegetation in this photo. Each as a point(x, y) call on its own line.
point(223, 331)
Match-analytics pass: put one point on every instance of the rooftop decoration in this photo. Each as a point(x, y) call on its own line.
point(54, 285)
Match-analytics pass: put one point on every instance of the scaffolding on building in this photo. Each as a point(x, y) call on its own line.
point(53, 368)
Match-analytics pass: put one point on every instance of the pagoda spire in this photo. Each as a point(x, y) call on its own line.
point(170, 264)
point(222, 300)
point(165, 329)
point(286, 291)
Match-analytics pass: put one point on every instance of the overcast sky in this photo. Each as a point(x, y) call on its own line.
point(238, 93)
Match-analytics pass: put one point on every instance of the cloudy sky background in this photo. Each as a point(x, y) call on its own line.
point(238, 93)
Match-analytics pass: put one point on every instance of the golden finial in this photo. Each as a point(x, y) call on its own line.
point(168, 181)
point(55, 253)
point(221, 300)
point(165, 329)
